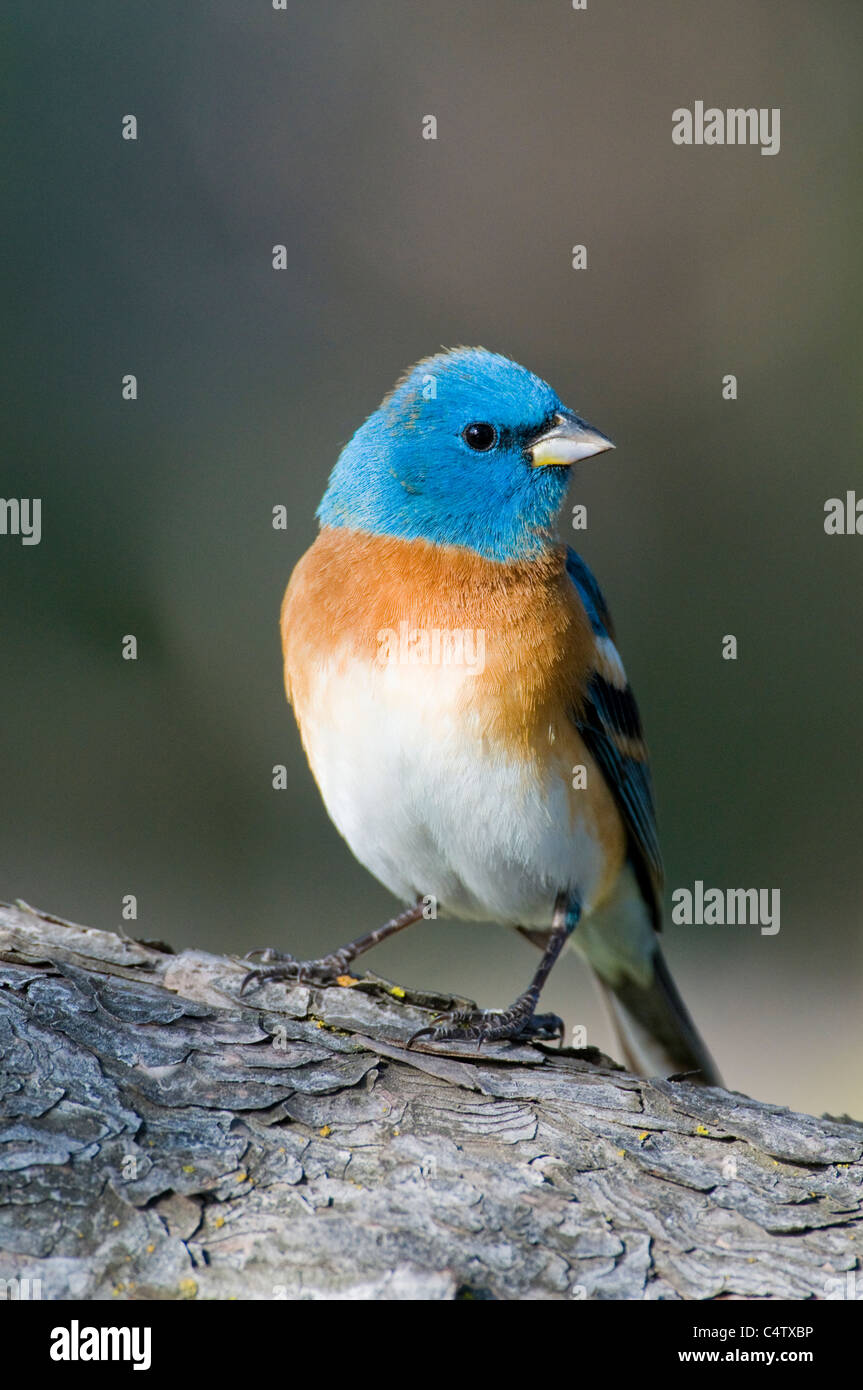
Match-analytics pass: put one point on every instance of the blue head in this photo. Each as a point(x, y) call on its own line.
point(468, 449)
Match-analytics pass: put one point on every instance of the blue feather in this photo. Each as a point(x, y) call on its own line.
point(409, 472)
point(610, 725)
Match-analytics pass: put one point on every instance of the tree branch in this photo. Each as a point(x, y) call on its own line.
point(163, 1138)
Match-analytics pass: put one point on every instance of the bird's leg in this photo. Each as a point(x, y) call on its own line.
point(326, 968)
point(520, 1020)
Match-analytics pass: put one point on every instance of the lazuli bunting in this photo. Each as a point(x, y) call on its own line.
point(463, 705)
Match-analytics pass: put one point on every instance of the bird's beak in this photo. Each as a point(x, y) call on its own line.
point(569, 440)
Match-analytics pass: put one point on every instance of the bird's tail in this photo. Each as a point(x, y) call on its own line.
point(652, 1024)
point(654, 1027)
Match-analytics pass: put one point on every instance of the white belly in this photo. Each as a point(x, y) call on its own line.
point(429, 808)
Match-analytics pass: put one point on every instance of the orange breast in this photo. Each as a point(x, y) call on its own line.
point(538, 645)
point(350, 587)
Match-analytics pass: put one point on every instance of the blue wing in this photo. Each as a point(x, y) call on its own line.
point(610, 725)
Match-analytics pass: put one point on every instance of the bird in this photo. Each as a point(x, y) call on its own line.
point(463, 706)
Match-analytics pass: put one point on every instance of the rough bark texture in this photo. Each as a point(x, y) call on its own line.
point(163, 1138)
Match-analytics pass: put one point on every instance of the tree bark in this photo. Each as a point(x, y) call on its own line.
point(162, 1137)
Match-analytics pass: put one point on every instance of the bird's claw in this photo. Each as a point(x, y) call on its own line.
point(517, 1023)
point(323, 971)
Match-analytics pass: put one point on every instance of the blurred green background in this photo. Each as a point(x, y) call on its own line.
point(554, 128)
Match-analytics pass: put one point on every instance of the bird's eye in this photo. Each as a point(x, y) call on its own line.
point(480, 436)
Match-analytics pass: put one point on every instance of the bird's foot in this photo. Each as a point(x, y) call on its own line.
point(276, 965)
point(518, 1023)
